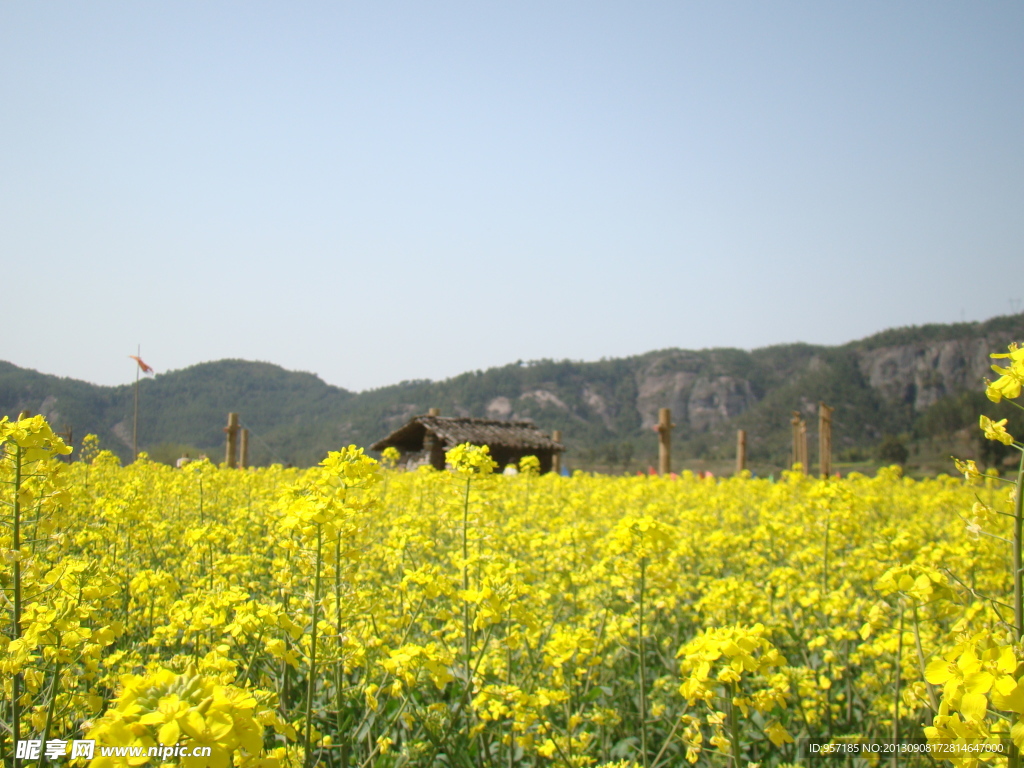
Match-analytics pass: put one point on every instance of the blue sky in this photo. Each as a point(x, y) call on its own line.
point(397, 190)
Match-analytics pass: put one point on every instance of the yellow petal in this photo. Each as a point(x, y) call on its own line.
point(1017, 734)
point(169, 733)
point(979, 682)
point(974, 706)
point(937, 672)
point(194, 725)
point(1012, 700)
point(778, 734)
point(1007, 660)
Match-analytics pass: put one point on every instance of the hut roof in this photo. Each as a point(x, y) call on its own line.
point(455, 430)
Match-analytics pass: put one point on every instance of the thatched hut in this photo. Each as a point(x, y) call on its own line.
point(425, 439)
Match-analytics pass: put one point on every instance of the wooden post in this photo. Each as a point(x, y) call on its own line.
point(794, 457)
point(556, 457)
point(231, 453)
point(741, 450)
point(434, 412)
point(664, 441)
point(825, 439)
point(24, 415)
point(135, 417)
point(799, 442)
point(243, 451)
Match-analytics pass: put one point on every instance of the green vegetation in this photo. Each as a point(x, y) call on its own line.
point(604, 409)
point(892, 450)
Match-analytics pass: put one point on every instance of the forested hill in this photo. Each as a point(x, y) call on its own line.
point(918, 383)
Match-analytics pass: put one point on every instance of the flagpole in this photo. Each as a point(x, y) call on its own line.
point(135, 421)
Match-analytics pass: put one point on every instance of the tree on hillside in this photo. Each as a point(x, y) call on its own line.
point(892, 450)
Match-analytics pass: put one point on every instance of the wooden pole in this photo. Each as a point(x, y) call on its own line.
point(794, 422)
point(664, 441)
point(231, 453)
point(243, 451)
point(825, 439)
point(556, 457)
point(741, 450)
point(800, 455)
point(135, 419)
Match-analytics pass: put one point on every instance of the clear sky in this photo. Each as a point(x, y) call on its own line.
point(381, 191)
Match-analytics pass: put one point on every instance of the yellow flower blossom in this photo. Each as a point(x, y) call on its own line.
point(467, 459)
point(996, 430)
point(1008, 385)
point(162, 605)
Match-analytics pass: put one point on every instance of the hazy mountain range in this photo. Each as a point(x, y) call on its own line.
point(922, 383)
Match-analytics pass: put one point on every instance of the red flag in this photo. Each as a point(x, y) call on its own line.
point(145, 368)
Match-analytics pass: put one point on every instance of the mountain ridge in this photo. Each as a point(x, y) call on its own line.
point(909, 381)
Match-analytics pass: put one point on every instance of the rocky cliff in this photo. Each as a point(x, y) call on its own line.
point(883, 384)
point(922, 374)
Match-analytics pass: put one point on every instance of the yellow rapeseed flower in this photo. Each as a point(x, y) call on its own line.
point(996, 430)
point(1009, 383)
point(467, 459)
point(969, 469)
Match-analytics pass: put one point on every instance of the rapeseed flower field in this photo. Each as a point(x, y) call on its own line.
point(356, 615)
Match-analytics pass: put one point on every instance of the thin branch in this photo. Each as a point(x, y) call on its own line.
point(975, 592)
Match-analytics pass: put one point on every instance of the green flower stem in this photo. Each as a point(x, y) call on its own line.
point(16, 618)
point(824, 569)
point(339, 671)
point(467, 641)
point(51, 706)
point(511, 720)
point(933, 697)
point(1013, 759)
point(311, 680)
point(643, 664)
point(734, 731)
point(244, 679)
point(462, 703)
point(467, 625)
point(896, 686)
point(1018, 561)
